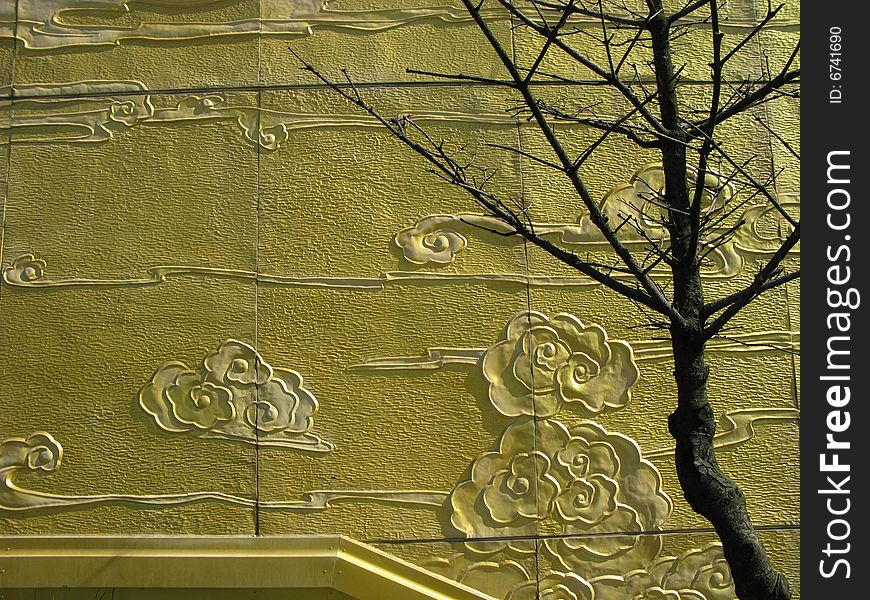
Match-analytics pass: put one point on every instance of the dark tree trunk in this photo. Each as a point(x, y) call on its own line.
point(709, 491)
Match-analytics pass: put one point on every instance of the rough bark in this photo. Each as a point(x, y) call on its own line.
point(707, 489)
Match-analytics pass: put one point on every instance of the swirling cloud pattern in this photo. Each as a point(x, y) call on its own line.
point(234, 395)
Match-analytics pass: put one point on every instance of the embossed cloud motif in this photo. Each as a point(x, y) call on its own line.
point(578, 482)
point(641, 199)
point(130, 112)
point(25, 269)
point(37, 452)
point(234, 395)
point(699, 574)
point(431, 240)
point(555, 586)
point(508, 579)
point(542, 362)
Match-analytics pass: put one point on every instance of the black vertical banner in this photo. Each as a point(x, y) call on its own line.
point(835, 300)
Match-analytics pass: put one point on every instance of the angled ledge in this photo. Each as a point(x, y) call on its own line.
point(292, 562)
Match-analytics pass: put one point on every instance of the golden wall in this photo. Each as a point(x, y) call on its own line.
point(233, 306)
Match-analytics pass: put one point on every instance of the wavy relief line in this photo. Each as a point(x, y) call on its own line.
point(385, 19)
point(48, 24)
point(29, 272)
point(234, 395)
point(41, 453)
point(644, 351)
point(438, 239)
point(89, 126)
point(754, 342)
point(52, 24)
point(433, 360)
point(738, 426)
point(94, 120)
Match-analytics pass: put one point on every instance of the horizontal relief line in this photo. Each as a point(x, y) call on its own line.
point(544, 537)
point(13, 97)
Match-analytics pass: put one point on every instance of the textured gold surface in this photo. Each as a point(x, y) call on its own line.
point(161, 45)
point(250, 312)
point(389, 33)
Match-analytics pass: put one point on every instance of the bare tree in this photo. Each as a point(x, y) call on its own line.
point(630, 40)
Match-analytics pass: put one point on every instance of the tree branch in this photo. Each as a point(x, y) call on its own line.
point(452, 172)
point(707, 145)
point(737, 301)
point(751, 99)
point(462, 77)
point(611, 79)
point(687, 10)
point(658, 300)
point(714, 307)
point(573, 8)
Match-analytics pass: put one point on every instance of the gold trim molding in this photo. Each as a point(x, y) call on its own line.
point(292, 562)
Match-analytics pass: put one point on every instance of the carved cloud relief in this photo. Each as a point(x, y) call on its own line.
point(590, 487)
point(438, 239)
point(234, 395)
point(541, 362)
point(579, 481)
